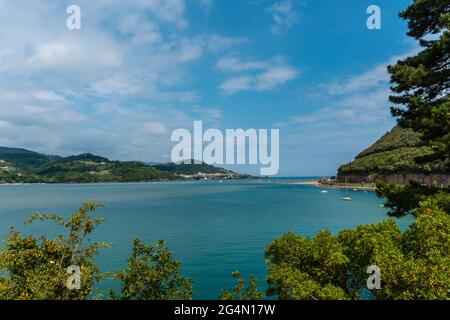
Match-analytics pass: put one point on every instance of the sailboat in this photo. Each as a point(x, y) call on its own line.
point(347, 197)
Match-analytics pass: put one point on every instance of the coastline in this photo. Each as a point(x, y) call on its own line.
point(358, 187)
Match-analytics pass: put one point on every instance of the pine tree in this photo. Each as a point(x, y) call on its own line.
point(421, 82)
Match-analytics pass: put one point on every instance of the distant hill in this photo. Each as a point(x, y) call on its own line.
point(24, 157)
point(398, 156)
point(25, 166)
point(84, 157)
point(189, 168)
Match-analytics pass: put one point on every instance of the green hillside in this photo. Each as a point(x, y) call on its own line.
point(24, 166)
point(398, 151)
point(394, 139)
point(23, 157)
point(189, 168)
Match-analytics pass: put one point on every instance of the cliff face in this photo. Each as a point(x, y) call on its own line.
point(400, 156)
point(437, 179)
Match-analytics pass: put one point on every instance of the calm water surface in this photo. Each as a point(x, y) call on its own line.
point(213, 228)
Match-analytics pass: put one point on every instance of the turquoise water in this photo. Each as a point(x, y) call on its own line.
point(213, 228)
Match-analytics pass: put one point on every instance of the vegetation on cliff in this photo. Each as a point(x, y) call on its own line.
point(400, 150)
point(395, 139)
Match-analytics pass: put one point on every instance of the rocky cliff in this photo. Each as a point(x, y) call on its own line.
point(400, 156)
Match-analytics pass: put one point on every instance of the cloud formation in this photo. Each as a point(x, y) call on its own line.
point(255, 75)
point(110, 88)
point(284, 15)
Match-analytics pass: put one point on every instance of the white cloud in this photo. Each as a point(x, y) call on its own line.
point(164, 11)
point(141, 30)
point(360, 109)
point(284, 15)
point(234, 85)
point(361, 101)
point(261, 75)
point(48, 96)
point(233, 64)
point(190, 49)
point(114, 85)
point(22, 110)
point(154, 127)
point(121, 47)
point(375, 77)
point(275, 76)
point(129, 66)
point(205, 4)
point(211, 113)
point(216, 43)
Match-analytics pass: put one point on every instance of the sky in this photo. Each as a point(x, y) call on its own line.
point(138, 69)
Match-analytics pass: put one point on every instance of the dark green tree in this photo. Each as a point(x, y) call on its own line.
point(403, 200)
point(421, 87)
point(152, 274)
point(421, 83)
point(240, 291)
point(414, 264)
point(36, 268)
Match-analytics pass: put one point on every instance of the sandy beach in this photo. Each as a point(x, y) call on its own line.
point(336, 186)
point(314, 183)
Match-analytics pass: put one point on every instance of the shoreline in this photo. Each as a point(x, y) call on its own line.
point(359, 187)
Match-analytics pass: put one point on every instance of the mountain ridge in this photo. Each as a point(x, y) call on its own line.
point(18, 165)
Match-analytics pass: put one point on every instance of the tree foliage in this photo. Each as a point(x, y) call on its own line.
point(240, 291)
point(152, 274)
point(421, 83)
point(36, 268)
point(403, 200)
point(399, 151)
point(414, 264)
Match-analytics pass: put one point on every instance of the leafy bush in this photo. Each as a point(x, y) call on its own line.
point(152, 274)
point(414, 264)
point(36, 268)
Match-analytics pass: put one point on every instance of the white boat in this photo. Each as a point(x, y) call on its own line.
point(347, 197)
point(324, 191)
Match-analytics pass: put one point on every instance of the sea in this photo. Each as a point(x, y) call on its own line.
point(212, 227)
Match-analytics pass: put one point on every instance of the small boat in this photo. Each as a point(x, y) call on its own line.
point(324, 191)
point(347, 197)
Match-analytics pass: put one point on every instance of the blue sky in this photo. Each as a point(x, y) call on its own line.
point(139, 69)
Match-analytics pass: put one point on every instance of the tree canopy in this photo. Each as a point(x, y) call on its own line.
point(421, 82)
point(414, 264)
point(37, 268)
